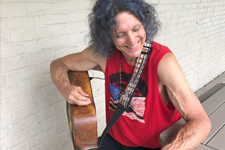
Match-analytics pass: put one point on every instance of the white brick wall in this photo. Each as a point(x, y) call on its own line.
point(36, 32)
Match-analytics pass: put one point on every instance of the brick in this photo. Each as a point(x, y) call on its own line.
point(17, 127)
point(39, 8)
point(37, 147)
point(5, 23)
point(161, 8)
point(75, 38)
point(4, 133)
point(71, 27)
point(11, 141)
point(166, 2)
point(13, 63)
point(51, 143)
point(45, 67)
point(62, 127)
point(85, 5)
point(30, 121)
point(44, 104)
point(22, 100)
point(21, 146)
point(38, 58)
point(53, 121)
point(58, 29)
point(54, 19)
point(40, 138)
point(65, 6)
point(31, 46)
point(152, 1)
point(15, 36)
point(60, 107)
point(169, 7)
point(66, 51)
point(42, 81)
point(56, 98)
point(3, 81)
point(50, 89)
point(11, 51)
point(45, 114)
point(30, 34)
point(31, 108)
point(82, 26)
point(81, 15)
point(63, 144)
point(44, 32)
point(18, 23)
point(8, 118)
point(36, 141)
point(9, 1)
point(31, 21)
point(17, 89)
point(30, 132)
point(12, 9)
point(54, 42)
point(38, 94)
point(23, 74)
point(6, 106)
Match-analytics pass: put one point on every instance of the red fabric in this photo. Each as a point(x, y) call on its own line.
point(148, 115)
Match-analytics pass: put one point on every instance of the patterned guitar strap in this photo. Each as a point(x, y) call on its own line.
point(126, 96)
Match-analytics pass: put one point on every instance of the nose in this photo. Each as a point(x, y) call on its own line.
point(131, 39)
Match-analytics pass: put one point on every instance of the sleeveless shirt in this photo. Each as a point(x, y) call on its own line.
point(147, 116)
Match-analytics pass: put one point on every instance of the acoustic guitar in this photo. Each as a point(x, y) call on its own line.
point(82, 119)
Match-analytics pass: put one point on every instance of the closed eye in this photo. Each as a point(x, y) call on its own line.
point(136, 29)
point(120, 35)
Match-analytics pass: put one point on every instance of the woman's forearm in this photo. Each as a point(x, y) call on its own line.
point(59, 75)
point(190, 135)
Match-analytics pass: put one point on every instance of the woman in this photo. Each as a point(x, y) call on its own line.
point(119, 29)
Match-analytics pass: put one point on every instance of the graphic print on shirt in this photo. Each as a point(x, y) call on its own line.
point(136, 108)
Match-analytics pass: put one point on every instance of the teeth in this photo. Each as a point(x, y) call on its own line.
point(132, 46)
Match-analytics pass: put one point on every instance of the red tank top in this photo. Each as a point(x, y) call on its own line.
point(147, 116)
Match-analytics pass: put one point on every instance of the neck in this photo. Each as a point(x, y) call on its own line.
point(131, 61)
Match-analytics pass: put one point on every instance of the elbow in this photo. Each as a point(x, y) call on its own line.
point(52, 65)
point(208, 126)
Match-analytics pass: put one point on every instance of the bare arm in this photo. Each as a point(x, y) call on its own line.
point(197, 124)
point(82, 61)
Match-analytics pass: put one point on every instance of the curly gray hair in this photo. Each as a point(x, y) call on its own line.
point(102, 18)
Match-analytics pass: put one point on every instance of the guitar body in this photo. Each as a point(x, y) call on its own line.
point(82, 119)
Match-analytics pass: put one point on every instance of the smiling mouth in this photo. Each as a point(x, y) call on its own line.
point(133, 46)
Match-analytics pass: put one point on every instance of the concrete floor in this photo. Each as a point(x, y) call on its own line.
point(219, 79)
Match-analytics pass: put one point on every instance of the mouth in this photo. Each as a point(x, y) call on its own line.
point(133, 47)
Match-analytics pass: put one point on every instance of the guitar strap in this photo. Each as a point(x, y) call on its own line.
point(127, 95)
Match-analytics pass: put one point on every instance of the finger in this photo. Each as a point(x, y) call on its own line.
point(79, 102)
point(82, 103)
point(75, 94)
point(82, 92)
point(78, 99)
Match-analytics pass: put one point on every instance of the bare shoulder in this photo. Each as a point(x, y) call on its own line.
point(170, 72)
point(171, 75)
point(84, 60)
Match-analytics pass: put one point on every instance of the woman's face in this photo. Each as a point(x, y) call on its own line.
point(130, 36)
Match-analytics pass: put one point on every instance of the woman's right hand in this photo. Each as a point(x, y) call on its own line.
point(75, 95)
